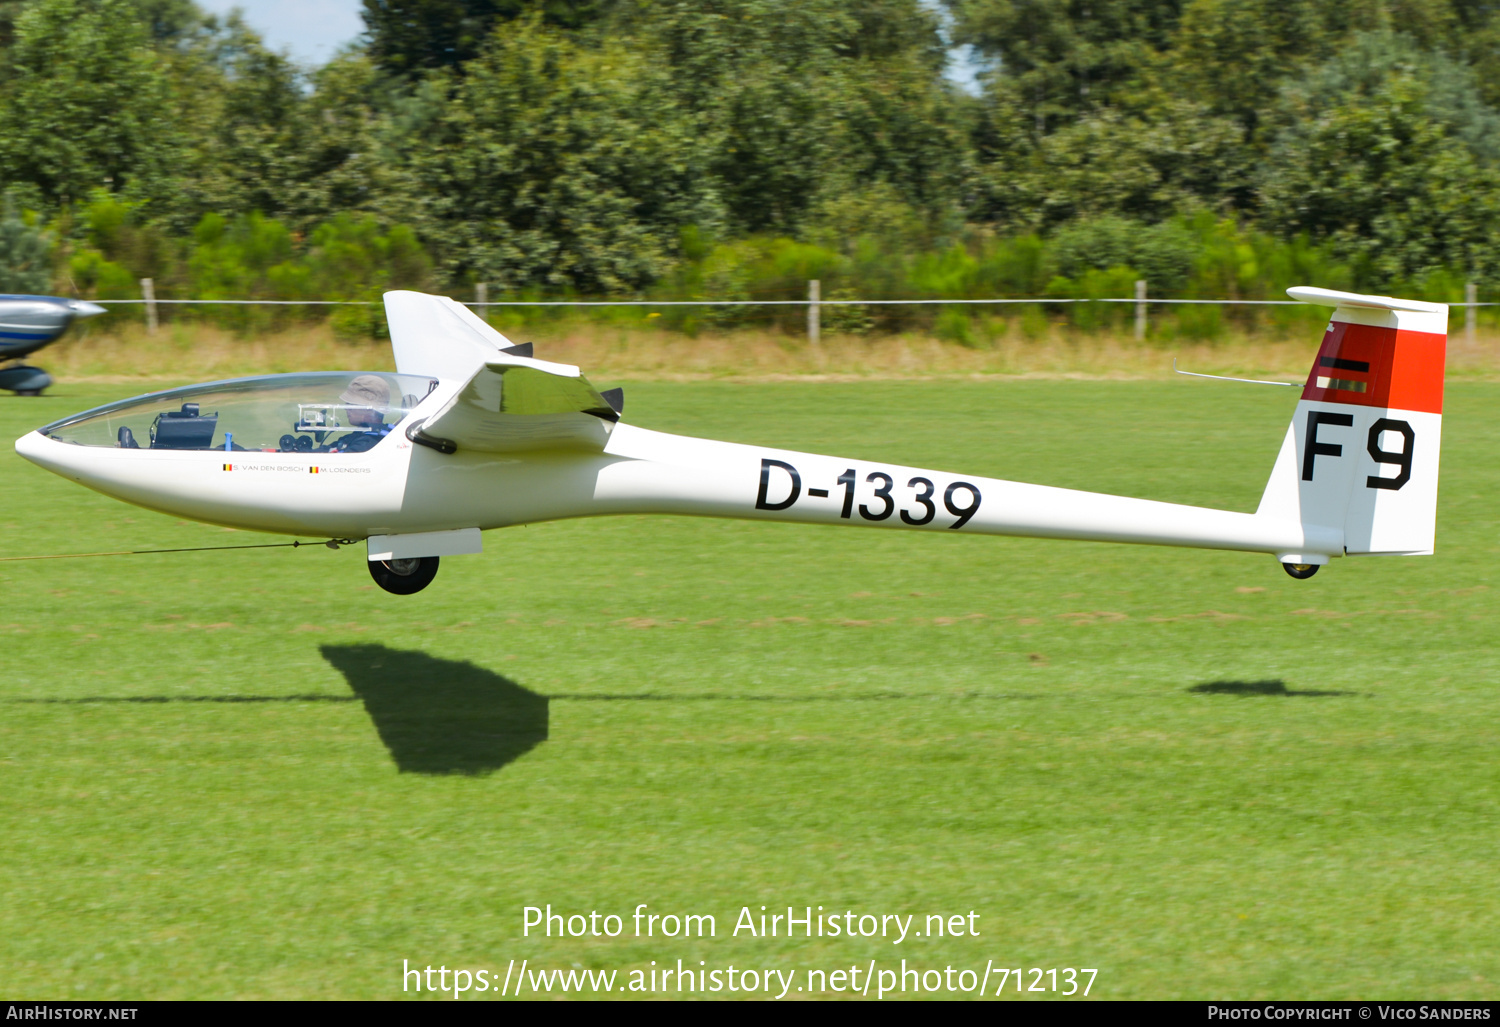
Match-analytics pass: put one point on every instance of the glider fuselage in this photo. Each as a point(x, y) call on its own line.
point(473, 433)
point(399, 487)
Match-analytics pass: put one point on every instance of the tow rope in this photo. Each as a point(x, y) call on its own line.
point(332, 543)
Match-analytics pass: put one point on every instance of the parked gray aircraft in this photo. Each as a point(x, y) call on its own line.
point(27, 323)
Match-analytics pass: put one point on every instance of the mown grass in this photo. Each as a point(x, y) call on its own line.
point(250, 774)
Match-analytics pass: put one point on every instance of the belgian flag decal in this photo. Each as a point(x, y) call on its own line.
point(312, 470)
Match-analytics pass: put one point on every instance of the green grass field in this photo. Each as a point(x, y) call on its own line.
point(251, 774)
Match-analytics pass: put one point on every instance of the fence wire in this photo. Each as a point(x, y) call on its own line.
point(1148, 301)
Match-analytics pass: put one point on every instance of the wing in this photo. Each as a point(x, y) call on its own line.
point(434, 335)
point(513, 404)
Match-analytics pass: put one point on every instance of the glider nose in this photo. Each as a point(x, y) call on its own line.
point(42, 451)
point(83, 308)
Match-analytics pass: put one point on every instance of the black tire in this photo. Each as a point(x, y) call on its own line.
point(28, 392)
point(1301, 571)
point(404, 577)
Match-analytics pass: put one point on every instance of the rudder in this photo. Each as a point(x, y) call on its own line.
point(1361, 455)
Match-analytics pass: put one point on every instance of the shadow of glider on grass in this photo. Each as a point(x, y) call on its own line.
point(1259, 688)
point(471, 433)
point(440, 716)
point(434, 716)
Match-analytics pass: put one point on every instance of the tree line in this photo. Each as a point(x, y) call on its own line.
point(735, 148)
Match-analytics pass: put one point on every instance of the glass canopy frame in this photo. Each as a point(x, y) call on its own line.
point(309, 412)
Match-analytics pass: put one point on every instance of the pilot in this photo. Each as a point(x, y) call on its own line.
point(366, 401)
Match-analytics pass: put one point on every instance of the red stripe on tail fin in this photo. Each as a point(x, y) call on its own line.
point(1365, 365)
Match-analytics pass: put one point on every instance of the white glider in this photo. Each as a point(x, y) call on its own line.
point(471, 433)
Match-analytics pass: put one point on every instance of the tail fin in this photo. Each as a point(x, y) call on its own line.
point(1361, 455)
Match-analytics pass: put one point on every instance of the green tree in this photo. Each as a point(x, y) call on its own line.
point(257, 158)
point(1387, 153)
point(411, 36)
point(248, 257)
point(10, 12)
point(345, 167)
point(173, 22)
point(86, 102)
point(167, 21)
point(554, 164)
point(801, 104)
point(353, 259)
point(1062, 59)
point(25, 257)
point(108, 229)
point(1112, 162)
point(1233, 55)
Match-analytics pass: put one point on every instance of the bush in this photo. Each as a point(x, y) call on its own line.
point(955, 325)
point(25, 257)
point(847, 318)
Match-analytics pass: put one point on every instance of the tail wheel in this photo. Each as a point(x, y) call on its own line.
point(404, 577)
point(1300, 571)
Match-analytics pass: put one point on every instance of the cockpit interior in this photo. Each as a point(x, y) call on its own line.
point(323, 412)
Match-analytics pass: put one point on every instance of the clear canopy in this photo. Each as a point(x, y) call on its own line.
point(335, 411)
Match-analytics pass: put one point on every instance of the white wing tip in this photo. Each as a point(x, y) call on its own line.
point(561, 370)
point(1334, 298)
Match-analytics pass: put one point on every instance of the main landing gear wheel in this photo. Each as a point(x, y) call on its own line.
point(404, 577)
point(1300, 571)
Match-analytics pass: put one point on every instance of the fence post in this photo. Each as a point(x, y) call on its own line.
point(148, 292)
point(814, 317)
point(1471, 312)
point(1140, 310)
point(482, 295)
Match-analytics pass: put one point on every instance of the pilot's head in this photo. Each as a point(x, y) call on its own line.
point(367, 398)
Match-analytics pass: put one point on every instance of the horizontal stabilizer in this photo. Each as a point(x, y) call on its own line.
point(1334, 298)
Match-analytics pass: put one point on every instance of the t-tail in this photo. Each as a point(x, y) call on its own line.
point(1360, 458)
